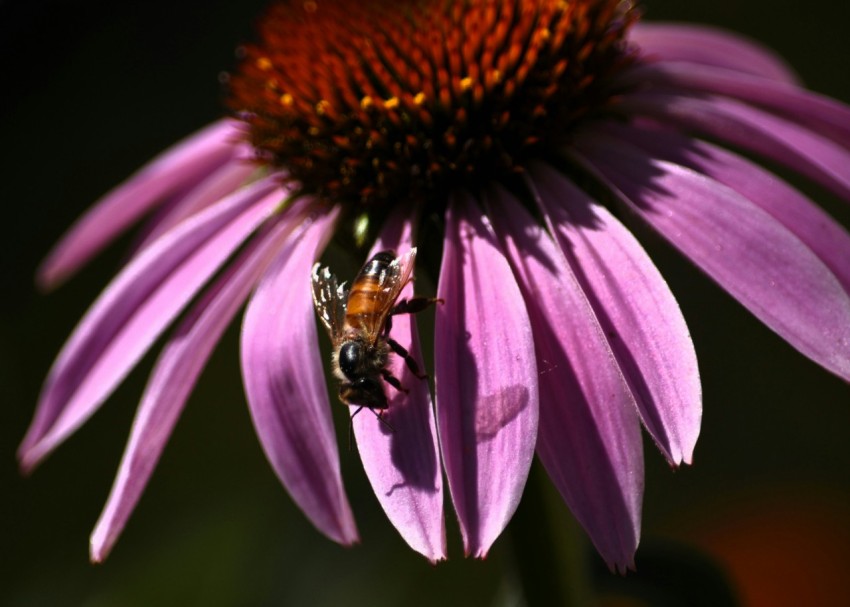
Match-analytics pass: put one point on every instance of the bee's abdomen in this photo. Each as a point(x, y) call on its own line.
point(362, 304)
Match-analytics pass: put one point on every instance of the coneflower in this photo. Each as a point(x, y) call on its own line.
point(521, 132)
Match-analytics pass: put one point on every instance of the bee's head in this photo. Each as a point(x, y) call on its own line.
point(351, 359)
point(365, 392)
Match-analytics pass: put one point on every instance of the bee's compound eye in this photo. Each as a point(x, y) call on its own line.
point(350, 357)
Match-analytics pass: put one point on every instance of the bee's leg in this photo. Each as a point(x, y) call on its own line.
point(414, 305)
point(408, 359)
point(393, 381)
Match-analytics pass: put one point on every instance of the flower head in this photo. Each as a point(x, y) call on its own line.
point(524, 133)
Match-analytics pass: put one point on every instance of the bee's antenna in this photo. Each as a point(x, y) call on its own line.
point(351, 426)
point(383, 421)
point(351, 423)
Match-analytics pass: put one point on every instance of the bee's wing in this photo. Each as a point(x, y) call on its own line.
point(329, 298)
point(390, 284)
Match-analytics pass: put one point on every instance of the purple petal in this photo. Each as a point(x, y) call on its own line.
point(827, 116)
point(589, 438)
point(403, 465)
point(750, 254)
point(710, 46)
point(730, 121)
point(219, 184)
point(285, 385)
point(487, 401)
point(182, 166)
point(817, 230)
point(134, 309)
point(174, 377)
point(636, 309)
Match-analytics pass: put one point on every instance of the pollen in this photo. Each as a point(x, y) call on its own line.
point(323, 107)
point(381, 101)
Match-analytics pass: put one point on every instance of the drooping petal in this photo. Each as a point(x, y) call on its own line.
point(790, 144)
point(403, 465)
point(829, 117)
point(285, 386)
point(750, 254)
point(636, 309)
point(179, 167)
point(219, 184)
point(486, 378)
point(134, 309)
point(815, 228)
point(709, 46)
point(174, 377)
point(589, 438)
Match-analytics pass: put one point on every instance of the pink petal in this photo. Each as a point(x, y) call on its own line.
point(219, 184)
point(134, 309)
point(823, 114)
point(487, 402)
point(174, 377)
point(817, 230)
point(732, 122)
point(589, 438)
point(636, 309)
point(285, 385)
point(179, 167)
point(403, 465)
point(710, 46)
point(751, 255)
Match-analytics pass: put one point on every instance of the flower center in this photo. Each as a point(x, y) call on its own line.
point(381, 101)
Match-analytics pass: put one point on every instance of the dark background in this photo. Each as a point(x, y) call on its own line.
point(89, 90)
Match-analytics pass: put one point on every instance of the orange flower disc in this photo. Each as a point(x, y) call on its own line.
point(383, 101)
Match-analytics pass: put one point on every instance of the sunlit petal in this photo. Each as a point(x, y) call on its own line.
point(589, 438)
point(816, 229)
point(710, 46)
point(174, 377)
point(133, 311)
point(823, 114)
point(486, 378)
point(219, 184)
point(636, 309)
point(403, 464)
point(287, 395)
point(736, 123)
point(750, 254)
point(184, 164)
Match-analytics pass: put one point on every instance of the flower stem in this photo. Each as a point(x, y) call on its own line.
point(549, 547)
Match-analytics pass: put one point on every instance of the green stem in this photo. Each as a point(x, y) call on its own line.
point(549, 547)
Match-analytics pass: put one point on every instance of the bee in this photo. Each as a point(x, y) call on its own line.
point(359, 321)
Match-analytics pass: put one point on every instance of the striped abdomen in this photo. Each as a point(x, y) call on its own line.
point(366, 304)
